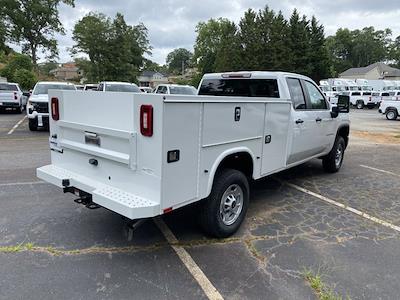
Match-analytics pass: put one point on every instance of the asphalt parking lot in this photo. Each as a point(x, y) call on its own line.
point(343, 227)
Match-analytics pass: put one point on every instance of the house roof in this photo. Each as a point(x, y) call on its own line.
point(151, 73)
point(383, 69)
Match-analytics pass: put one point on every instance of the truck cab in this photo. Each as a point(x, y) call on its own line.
point(155, 153)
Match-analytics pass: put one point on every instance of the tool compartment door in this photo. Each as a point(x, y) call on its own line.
point(276, 133)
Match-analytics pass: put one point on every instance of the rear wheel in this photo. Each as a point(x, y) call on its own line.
point(360, 104)
point(224, 210)
point(391, 114)
point(33, 124)
point(333, 161)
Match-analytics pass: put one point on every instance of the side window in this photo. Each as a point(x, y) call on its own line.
point(317, 100)
point(296, 93)
point(159, 90)
point(100, 88)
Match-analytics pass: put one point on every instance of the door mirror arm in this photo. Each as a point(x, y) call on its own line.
point(335, 112)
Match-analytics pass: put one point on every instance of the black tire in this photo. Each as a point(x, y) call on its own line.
point(360, 104)
point(391, 114)
point(331, 163)
point(33, 124)
point(210, 216)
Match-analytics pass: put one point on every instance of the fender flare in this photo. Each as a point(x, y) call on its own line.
point(391, 108)
point(220, 158)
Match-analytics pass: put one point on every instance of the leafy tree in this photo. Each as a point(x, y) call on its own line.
point(16, 62)
point(359, 48)
point(216, 47)
point(115, 49)
point(25, 78)
point(149, 65)
point(319, 56)
point(178, 59)
point(33, 23)
point(45, 68)
point(251, 37)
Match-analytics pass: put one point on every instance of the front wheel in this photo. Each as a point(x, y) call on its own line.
point(224, 210)
point(333, 161)
point(33, 124)
point(360, 104)
point(391, 115)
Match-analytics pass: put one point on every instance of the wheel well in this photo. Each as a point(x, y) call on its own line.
point(241, 161)
point(391, 108)
point(344, 133)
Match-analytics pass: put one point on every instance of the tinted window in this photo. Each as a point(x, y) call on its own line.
point(392, 93)
point(296, 93)
point(44, 88)
point(356, 94)
point(128, 88)
point(8, 87)
point(161, 90)
point(182, 90)
point(367, 93)
point(375, 94)
point(240, 87)
point(316, 98)
point(385, 94)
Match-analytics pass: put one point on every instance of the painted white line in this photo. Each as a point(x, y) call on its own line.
point(23, 183)
point(348, 208)
point(16, 125)
point(187, 260)
point(379, 170)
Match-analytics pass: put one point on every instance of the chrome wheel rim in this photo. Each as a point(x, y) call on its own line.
point(339, 155)
point(231, 204)
point(390, 115)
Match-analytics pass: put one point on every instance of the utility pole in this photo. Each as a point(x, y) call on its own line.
point(183, 67)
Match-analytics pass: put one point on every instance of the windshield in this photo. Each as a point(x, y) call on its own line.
point(128, 88)
point(182, 90)
point(43, 89)
point(8, 87)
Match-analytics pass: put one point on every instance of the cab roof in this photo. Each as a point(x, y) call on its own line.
point(252, 75)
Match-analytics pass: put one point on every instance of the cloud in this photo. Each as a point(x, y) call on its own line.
point(172, 23)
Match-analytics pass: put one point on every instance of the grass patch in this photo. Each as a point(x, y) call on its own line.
point(17, 248)
point(322, 291)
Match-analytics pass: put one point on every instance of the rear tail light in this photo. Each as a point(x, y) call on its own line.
point(15, 96)
point(55, 112)
point(370, 98)
point(146, 120)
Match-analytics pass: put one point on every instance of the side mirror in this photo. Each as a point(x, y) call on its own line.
point(335, 112)
point(343, 104)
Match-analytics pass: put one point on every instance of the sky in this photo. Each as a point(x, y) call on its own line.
point(171, 23)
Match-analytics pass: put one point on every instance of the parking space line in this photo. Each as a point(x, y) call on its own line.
point(22, 183)
point(348, 208)
point(379, 170)
point(16, 125)
point(187, 260)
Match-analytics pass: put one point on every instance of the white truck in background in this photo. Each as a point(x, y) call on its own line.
point(390, 108)
point(38, 103)
point(12, 97)
point(148, 154)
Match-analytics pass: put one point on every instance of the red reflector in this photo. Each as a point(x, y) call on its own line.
point(167, 210)
point(55, 113)
point(146, 120)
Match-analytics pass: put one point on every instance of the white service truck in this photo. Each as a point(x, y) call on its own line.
point(390, 108)
point(144, 155)
point(11, 96)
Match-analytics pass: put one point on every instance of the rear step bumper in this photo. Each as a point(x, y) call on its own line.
point(114, 199)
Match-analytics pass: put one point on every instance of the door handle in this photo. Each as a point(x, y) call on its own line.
point(318, 119)
point(299, 121)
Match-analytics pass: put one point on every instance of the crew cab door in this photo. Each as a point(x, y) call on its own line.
point(319, 109)
point(305, 130)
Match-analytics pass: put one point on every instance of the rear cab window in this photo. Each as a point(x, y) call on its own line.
point(8, 87)
point(240, 88)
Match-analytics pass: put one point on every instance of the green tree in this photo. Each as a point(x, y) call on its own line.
point(33, 23)
point(319, 56)
point(25, 78)
point(115, 49)
point(45, 68)
point(216, 47)
point(16, 62)
point(252, 36)
point(178, 60)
